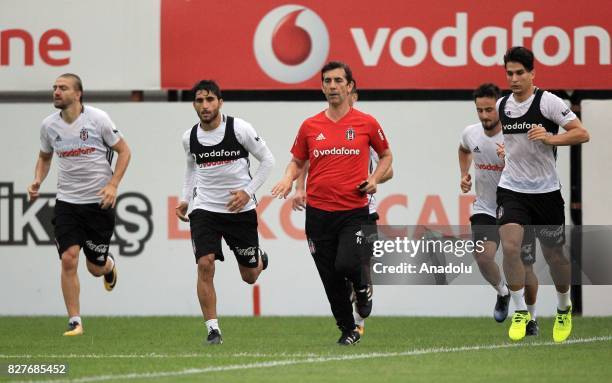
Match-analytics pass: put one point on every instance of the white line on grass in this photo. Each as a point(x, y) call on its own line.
point(154, 355)
point(322, 359)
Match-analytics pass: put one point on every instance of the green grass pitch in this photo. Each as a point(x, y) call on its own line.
point(303, 349)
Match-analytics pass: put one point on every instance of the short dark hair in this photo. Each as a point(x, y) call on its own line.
point(520, 55)
point(335, 65)
point(487, 90)
point(77, 82)
point(208, 85)
point(354, 87)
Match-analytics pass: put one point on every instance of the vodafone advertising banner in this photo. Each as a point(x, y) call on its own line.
point(111, 44)
point(395, 44)
point(401, 44)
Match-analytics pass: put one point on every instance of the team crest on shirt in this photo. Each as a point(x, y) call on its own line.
point(350, 134)
point(508, 113)
point(84, 135)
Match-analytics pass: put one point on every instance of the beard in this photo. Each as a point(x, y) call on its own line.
point(210, 118)
point(60, 104)
point(489, 125)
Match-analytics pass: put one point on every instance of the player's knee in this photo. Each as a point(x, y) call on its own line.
point(206, 265)
point(70, 259)
point(95, 270)
point(249, 277)
point(555, 257)
point(483, 257)
point(511, 247)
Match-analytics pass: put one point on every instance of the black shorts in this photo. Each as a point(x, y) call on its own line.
point(544, 211)
point(484, 228)
point(238, 229)
point(86, 225)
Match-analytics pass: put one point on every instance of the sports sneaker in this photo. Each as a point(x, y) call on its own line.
point(532, 328)
point(349, 337)
point(518, 327)
point(74, 328)
point(214, 337)
point(363, 304)
point(110, 279)
point(563, 325)
point(500, 313)
point(360, 329)
point(264, 258)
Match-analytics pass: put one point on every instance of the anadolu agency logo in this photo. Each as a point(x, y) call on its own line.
point(291, 43)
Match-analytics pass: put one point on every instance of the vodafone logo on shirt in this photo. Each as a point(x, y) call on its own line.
point(291, 43)
point(492, 167)
point(342, 151)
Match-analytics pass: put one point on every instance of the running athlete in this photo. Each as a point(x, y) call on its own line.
point(299, 204)
point(480, 142)
point(222, 192)
point(336, 143)
point(84, 139)
point(529, 189)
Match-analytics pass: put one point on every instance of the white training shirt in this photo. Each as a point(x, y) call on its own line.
point(84, 153)
point(531, 165)
point(487, 166)
point(212, 183)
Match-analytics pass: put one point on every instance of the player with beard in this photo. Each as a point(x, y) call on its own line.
point(222, 193)
point(480, 143)
point(84, 139)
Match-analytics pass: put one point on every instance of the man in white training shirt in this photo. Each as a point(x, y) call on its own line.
point(222, 192)
point(480, 143)
point(529, 189)
point(84, 139)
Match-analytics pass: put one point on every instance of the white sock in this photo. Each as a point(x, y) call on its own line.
point(359, 321)
point(518, 297)
point(75, 319)
point(212, 324)
point(502, 289)
point(564, 300)
point(532, 311)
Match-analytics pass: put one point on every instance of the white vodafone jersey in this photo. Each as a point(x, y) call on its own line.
point(210, 184)
point(373, 164)
point(84, 153)
point(531, 165)
point(487, 166)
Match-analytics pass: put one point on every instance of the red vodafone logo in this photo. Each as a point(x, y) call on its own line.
point(291, 43)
